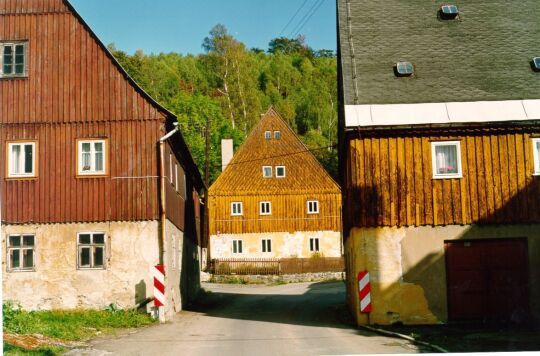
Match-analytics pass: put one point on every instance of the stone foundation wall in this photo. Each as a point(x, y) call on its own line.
point(408, 271)
point(286, 278)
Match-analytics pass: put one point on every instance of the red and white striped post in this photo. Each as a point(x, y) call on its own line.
point(159, 290)
point(364, 291)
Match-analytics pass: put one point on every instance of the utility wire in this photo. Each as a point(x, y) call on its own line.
point(306, 18)
point(293, 17)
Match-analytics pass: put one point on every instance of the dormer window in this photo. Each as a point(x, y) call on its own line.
point(404, 69)
point(13, 59)
point(268, 135)
point(536, 64)
point(448, 12)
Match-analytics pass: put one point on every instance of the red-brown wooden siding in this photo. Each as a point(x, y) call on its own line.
point(389, 179)
point(175, 197)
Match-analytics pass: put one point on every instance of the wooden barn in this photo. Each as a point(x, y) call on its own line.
point(274, 199)
point(98, 186)
point(440, 159)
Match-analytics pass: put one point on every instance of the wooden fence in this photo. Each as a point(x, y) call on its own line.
point(245, 266)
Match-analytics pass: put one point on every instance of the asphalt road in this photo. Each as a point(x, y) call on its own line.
point(292, 319)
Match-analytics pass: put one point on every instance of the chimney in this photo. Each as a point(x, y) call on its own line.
point(226, 152)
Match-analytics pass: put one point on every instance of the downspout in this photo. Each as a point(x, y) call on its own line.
point(162, 188)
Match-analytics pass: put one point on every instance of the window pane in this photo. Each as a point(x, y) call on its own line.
point(86, 147)
point(263, 245)
point(269, 245)
point(234, 247)
point(446, 159)
point(267, 171)
point(316, 244)
point(16, 158)
point(28, 163)
point(311, 244)
point(239, 246)
point(15, 258)
point(28, 258)
point(99, 238)
point(15, 241)
point(28, 240)
point(280, 171)
point(98, 257)
point(19, 49)
point(86, 161)
point(84, 239)
point(277, 135)
point(19, 69)
point(84, 256)
point(99, 162)
point(98, 146)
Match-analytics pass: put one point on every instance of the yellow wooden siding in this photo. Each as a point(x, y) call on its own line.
point(390, 181)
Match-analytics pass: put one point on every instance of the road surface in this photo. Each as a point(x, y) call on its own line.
point(291, 319)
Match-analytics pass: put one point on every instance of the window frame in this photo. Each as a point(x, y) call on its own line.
point(10, 174)
point(266, 245)
point(13, 44)
point(284, 172)
point(436, 175)
point(267, 135)
point(92, 245)
point(312, 212)
point(270, 169)
point(536, 156)
point(277, 135)
point(21, 247)
point(241, 205)
point(237, 244)
point(313, 248)
point(261, 203)
point(92, 174)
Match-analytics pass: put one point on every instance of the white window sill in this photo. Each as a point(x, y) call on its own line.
point(449, 177)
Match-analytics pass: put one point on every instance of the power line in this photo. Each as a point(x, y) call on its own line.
point(293, 17)
point(307, 16)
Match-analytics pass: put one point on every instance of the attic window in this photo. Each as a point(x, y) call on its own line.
point(536, 64)
point(268, 135)
point(277, 135)
point(448, 12)
point(404, 69)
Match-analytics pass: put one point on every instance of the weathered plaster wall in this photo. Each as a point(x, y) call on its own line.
point(284, 244)
point(131, 253)
point(408, 272)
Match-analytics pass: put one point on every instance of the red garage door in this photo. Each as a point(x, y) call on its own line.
point(487, 280)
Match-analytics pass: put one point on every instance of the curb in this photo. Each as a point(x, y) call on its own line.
point(405, 337)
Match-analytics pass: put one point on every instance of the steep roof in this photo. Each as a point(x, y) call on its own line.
point(243, 175)
point(484, 55)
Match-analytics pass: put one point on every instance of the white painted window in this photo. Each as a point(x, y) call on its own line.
point(446, 159)
point(536, 155)
point(266, 245)
point(171, 169)
point(265, 208)
point(280, 171)
point(268, 135)
point(21, 252)
point(237, 208)
point(21, 159)
point(13, 61)
point(314, 244)
point(176, 176)
point(91, 248)
point(312, 206)
point(267, 171)
point(277, 135)
point(237, 246)
point(92, 157)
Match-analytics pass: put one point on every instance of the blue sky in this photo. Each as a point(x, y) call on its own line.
point(181, 25)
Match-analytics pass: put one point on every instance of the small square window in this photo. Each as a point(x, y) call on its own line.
point(265, 208)
point(236, 209)
point(277, 135)
point(448, 12)
point(314, 244)
point(404, 69)
point(312, 206)
point(21, 157)
point(92, 157)
point(267, 171)
point(91, 247)
point(266, 245)
point(536, 64)
point(536, 155)
point(268, 135)
point(280, 171)
point(13, 59)
point(237, 246)
point(21, 252)
point(446, 159)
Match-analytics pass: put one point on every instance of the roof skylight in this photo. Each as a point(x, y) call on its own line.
point(536, 63)
point(404, 69)
point(449, 12)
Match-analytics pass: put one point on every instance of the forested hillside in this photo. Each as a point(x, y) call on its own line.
point(230, 86)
